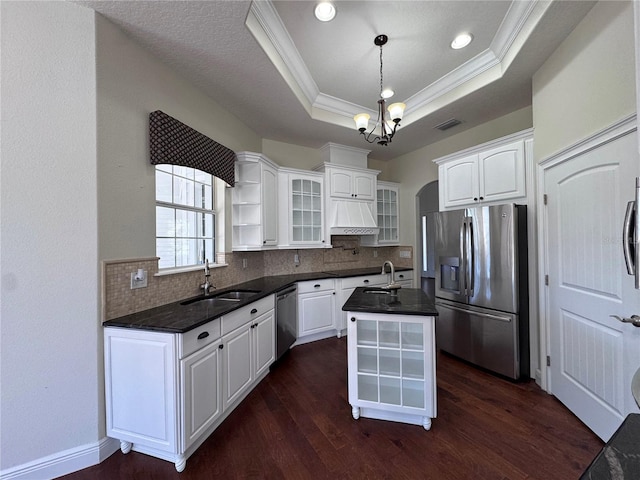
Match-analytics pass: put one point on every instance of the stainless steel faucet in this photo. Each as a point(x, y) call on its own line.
point(206, 286)
point(393, 286)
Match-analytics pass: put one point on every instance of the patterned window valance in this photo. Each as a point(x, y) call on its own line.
point(173, 142)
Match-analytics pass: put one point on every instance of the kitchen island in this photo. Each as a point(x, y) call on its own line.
point(391, 355)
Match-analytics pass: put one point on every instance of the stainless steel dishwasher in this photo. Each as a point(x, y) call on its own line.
point(286, 319)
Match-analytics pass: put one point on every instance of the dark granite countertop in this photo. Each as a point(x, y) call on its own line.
point(409, 301)
point(619, 459)
point(178, 318)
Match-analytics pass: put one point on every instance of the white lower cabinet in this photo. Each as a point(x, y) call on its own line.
point(392, 367)
point(404, 278)
point(247, 352)
point(167, 392)
point(316, 309)
point(202, 392)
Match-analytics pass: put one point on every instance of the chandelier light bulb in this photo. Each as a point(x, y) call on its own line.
point(387, 93)
point(362, 121)
point(396, 110)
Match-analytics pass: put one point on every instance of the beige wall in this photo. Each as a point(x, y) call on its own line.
point(292, 156)
point(130, 84)
point(588, 83)
point(414, 170)
point(49, 347)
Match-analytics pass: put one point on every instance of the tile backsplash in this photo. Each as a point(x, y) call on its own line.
point(118, 299)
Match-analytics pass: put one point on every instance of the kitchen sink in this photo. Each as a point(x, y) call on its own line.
point(223, 298)
point(236, 295)
point(379, 291)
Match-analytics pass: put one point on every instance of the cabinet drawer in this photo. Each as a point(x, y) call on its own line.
point(316, 285)
point(243, 315)
point(403, 275)
point(365, 281)
point(197, 338)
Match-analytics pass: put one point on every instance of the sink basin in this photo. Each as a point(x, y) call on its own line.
point(236, 295)
point(222, 298)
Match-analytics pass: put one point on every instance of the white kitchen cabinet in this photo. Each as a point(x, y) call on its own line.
point(346, 286)
point(494, 172)
point(316, 309)
point(141, 388)
point(388, 212)
point(248, 349)
point(202, 392)
point(346, 182)
point(301, 206)
point(255, 203)
point(404, 278)
point(167, 392)
point(391, 362)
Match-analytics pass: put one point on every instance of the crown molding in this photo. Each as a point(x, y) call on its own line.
point(269, 31)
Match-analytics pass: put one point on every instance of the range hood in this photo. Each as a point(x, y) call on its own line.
point(352, 217)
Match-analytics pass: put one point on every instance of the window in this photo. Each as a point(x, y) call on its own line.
point(185, 216)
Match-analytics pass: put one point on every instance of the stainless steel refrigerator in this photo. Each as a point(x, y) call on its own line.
point(482, 287)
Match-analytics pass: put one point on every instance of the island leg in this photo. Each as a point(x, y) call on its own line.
point(181, 463)
point(125, 447)
point(426, 423)
point(355, 411)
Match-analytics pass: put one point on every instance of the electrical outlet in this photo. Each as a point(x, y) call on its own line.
point(296, 259)
point(244, 263)
point(375, 253)
point(138, 279)
point(405, 254)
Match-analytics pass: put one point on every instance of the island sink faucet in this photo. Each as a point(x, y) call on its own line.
point(206, 286)
point(393, 286)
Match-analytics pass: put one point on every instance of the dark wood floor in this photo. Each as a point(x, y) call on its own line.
point(297, 424)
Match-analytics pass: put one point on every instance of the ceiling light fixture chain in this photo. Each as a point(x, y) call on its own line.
point(387, 129)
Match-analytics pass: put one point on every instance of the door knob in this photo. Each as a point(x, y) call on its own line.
point(633, 320)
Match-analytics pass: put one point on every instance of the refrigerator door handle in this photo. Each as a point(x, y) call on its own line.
point(480, 314)
point(463, 256)
point(627, 240)
point(472, 257)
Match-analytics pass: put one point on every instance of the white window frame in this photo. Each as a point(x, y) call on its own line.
point(217, 222)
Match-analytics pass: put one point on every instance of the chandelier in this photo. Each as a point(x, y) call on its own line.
point(387, 126)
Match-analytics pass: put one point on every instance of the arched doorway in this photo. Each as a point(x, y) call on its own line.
point(427, 204)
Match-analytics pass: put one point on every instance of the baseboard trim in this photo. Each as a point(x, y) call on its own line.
point(63, 463)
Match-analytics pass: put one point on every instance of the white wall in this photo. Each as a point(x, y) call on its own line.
point(588, 83)
point(49, 257)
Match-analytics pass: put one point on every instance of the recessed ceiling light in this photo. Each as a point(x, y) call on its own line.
point(387, 93)
point(325, 11)
point(461, 41)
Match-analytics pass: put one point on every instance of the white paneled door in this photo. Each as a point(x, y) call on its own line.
point(593, 356)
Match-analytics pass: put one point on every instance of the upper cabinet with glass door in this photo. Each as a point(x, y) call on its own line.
point(255, 202)
point(387, 197)
point(301, 209)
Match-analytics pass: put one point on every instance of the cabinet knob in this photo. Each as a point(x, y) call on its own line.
point(317, 285)
point(366, 281)
point(254, 310)
point(475, 199)
point(353, 319)
point(221, 346)
point(253, 325)
point(481, 198)
point(264, 241)
point(203, 335)
point(400, 276)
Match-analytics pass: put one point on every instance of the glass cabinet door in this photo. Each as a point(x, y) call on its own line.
point(387, 205)
point(306, 211)
point(391, 362)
